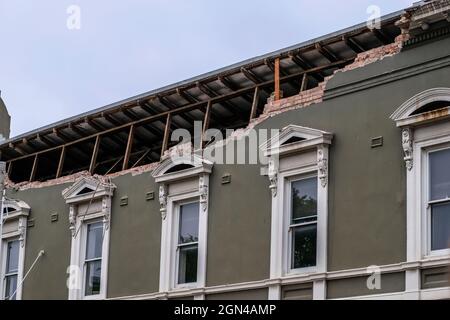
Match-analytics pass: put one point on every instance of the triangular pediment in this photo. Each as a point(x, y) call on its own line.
point(92, 187)
point(296, 137)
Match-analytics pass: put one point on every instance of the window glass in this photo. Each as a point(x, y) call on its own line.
point(188, 233)
point(304, 243)
point(188, 264)
point(94, 240)
point(93, 274)
point(440, 226)
point(189, 223)
point(10, 287)
point(304, 199)
point(440, 174)
point(93, 265)
point(12, 262)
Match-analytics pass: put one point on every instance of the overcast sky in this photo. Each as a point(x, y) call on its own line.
point(48, 72)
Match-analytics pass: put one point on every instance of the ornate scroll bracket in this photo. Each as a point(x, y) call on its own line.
point(322, 164)
point(106, 212)
point(21, 230)
point(163, 200)
point(407, 138)
point(72, 220)
point(273, 177)
point(203, 189)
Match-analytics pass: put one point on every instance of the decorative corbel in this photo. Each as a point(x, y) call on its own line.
point(21, 230)
point(203, 189)
point(322, 164)
point(72, 220)
point(407, 137)
point(273, 176)
point(106, 212)
point(163, 200)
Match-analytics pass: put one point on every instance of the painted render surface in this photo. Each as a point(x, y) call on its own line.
point(367, 214)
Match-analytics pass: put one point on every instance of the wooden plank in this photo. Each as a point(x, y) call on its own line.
point(166, 134)
point(94, 155)
point(62, 157)
point(114, 165)
point(34, 168)
point(126, 158)
point(10, 169)
point(142, 157)
point(304, 84)
point(254, 104)
point(277, 79)
point(206, 122)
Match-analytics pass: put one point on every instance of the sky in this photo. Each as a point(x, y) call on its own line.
point(49, 72)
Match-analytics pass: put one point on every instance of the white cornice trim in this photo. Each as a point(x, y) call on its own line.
point(199, 166)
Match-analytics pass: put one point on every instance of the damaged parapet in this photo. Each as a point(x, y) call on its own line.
point(2, 177)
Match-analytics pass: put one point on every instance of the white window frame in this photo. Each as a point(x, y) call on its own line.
point(84, 234)
point(17, 220)
point(427, 235)
point(175, 251)
point(99, 197)
point(288, 226)
point(421, 134)
point(195, 190)
point(311, 156)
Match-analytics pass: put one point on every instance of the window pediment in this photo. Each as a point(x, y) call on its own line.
point(295, 138)
point(177, 168)
point(87, 188)
point(409, 113)
point(15, 208)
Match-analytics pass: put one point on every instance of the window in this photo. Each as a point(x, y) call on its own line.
point(183, 196)
point(93, 259)
point(425, 140)
point(303, 223)
point(13, 234)
point(298, 180)
point(89, 202)
point(12, 269)
point(439, 199)
point(187, 247)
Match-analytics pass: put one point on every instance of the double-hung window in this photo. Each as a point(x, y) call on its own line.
point(13, 236)
point(187, 247)
point(298, 175)
point(93, 258)
point(11, 270)
point(303, 223)
point(439, 199)
point(90, 225)
point(183, 196)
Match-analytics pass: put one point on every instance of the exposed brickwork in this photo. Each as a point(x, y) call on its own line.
point(373, 55)
point(303, 99)
point(315, 95)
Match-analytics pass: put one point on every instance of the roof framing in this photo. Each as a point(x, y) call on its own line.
point(136, 131)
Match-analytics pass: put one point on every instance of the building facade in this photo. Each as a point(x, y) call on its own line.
point(4, 121)
point(349, 197)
